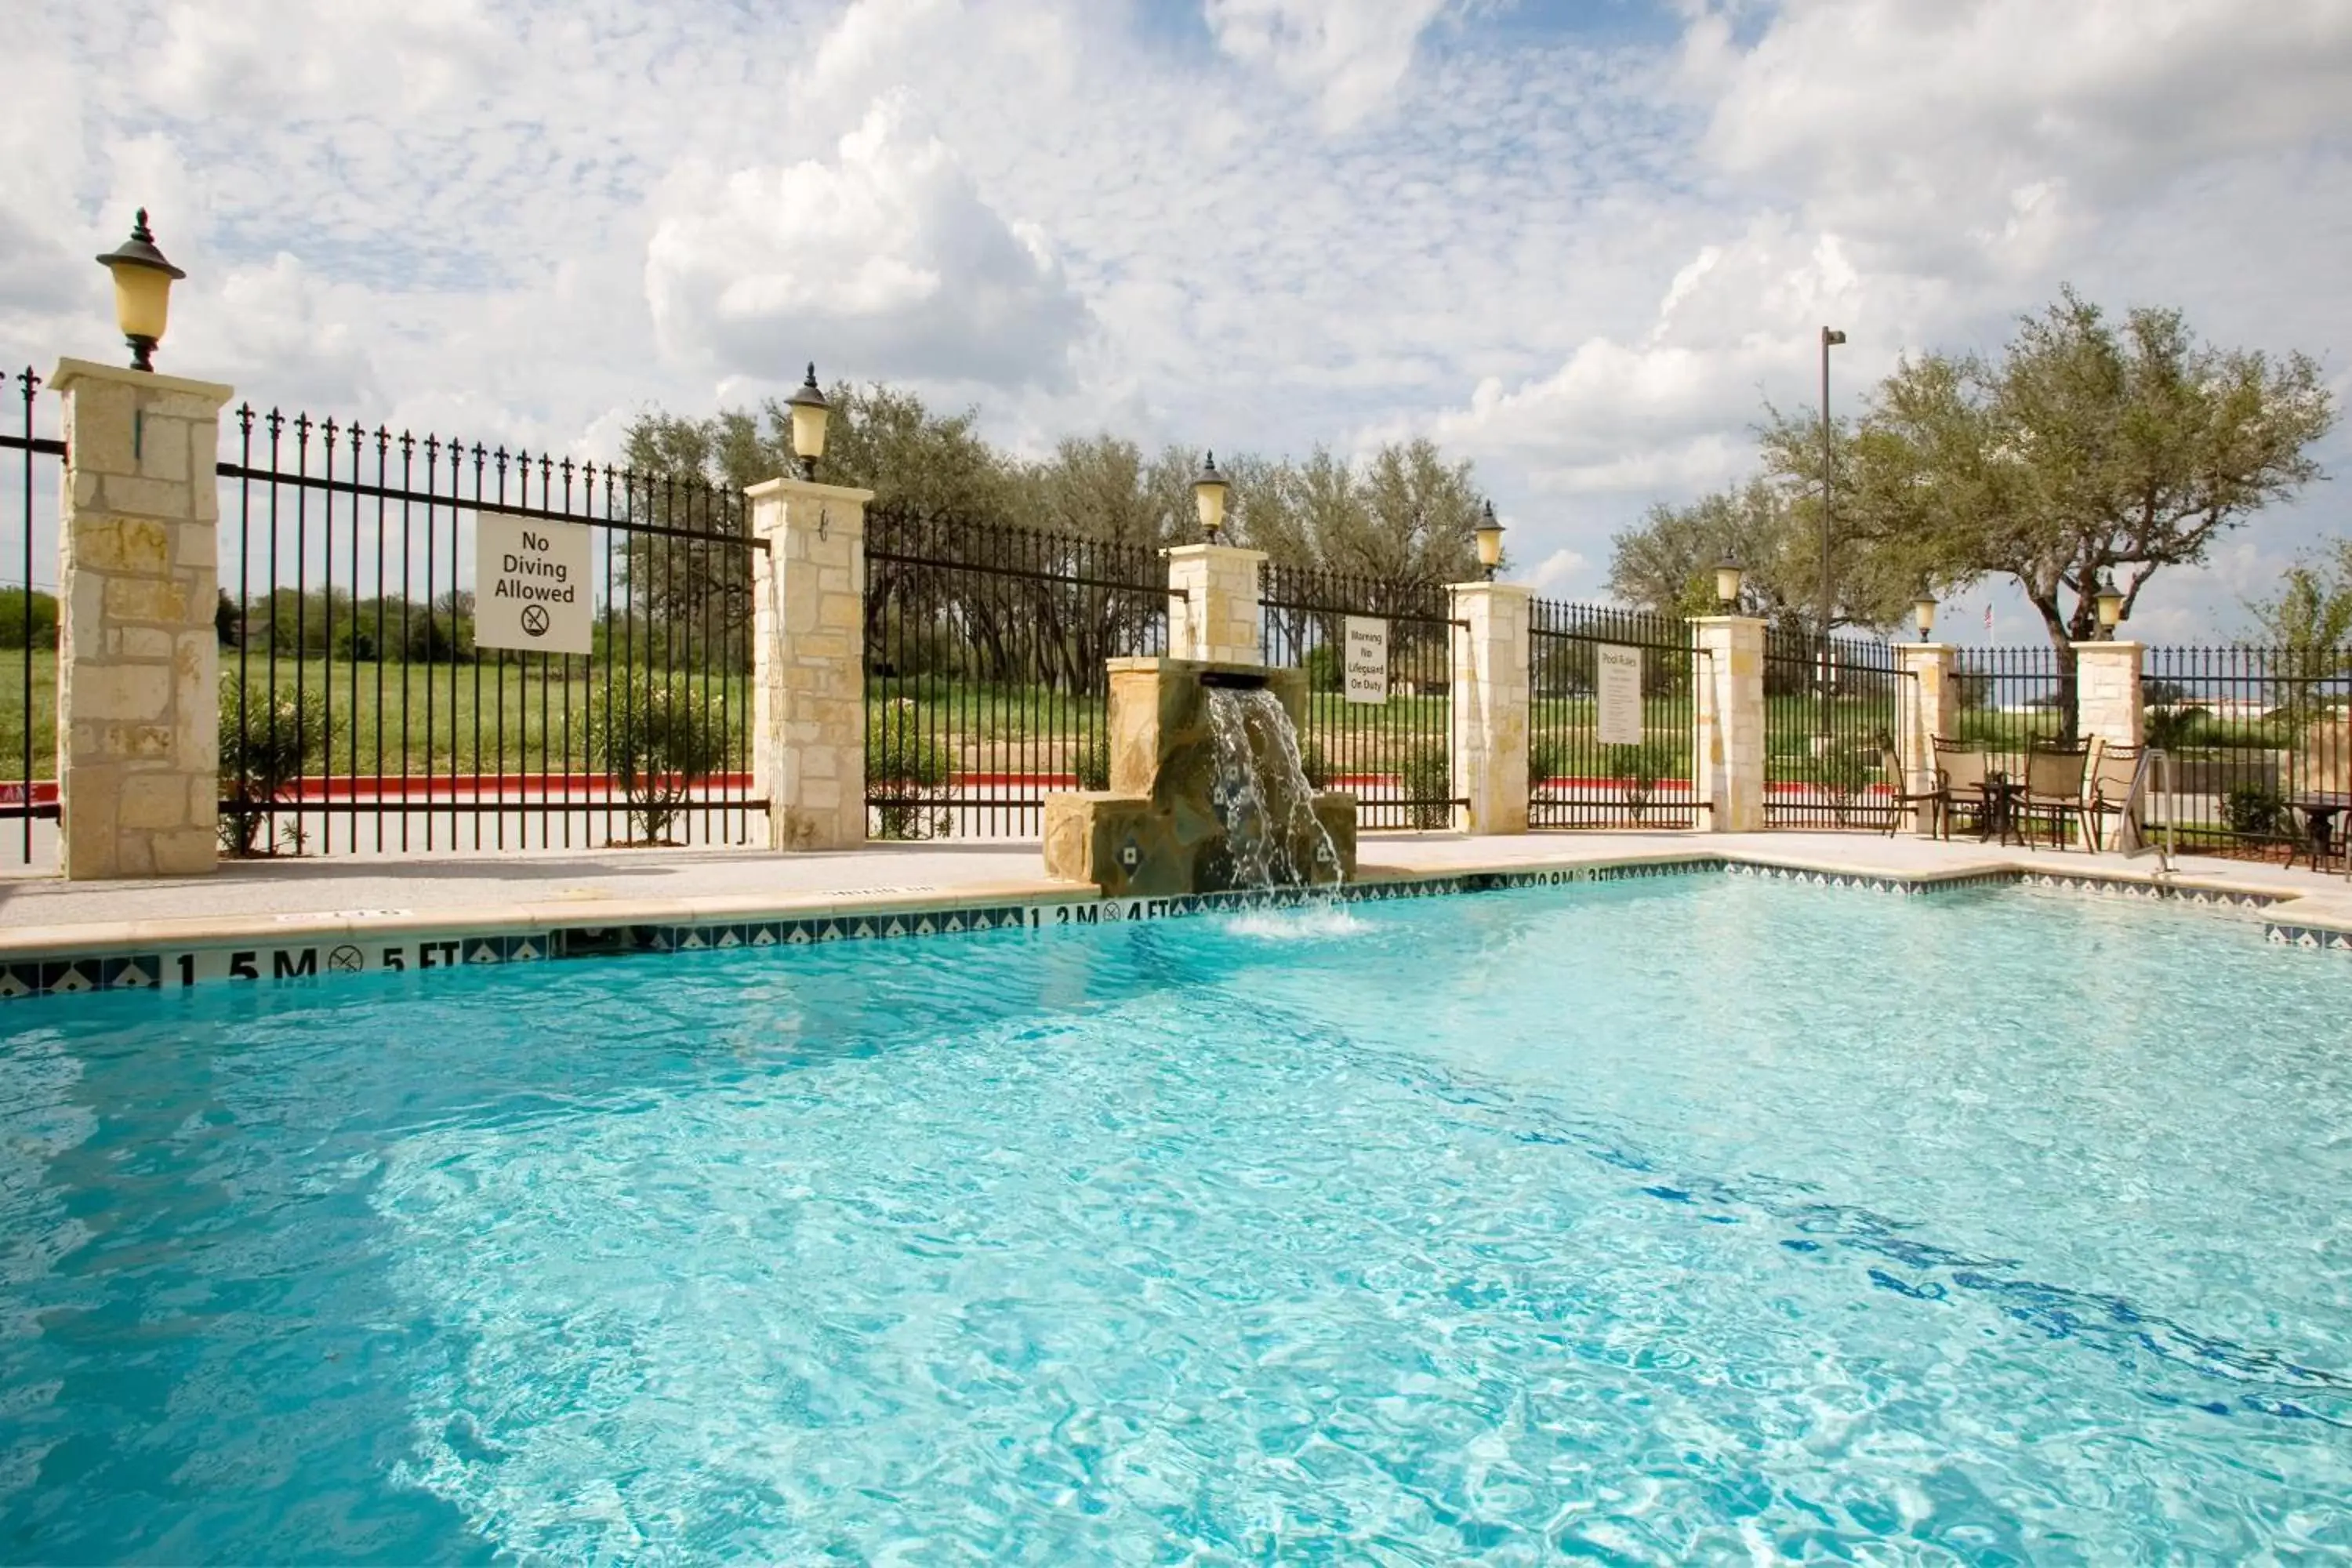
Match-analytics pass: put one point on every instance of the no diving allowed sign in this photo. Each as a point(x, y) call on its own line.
point(530, 584)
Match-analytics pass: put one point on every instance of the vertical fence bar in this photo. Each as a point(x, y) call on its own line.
point(1829, 704)
point(1574, 779)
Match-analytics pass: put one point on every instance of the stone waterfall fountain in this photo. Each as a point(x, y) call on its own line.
point(1207, 793)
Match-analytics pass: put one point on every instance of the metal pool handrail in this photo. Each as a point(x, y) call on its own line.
point(2136, 800)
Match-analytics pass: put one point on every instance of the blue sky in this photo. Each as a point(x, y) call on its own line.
point(1579, 244)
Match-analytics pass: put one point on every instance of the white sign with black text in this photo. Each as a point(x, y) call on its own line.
point(1368, 660)
point(530, 584)
point(1617, 684)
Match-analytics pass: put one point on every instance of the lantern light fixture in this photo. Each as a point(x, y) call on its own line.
point(142, 291)
point(1210, 489)
point(1489, 535)
point(1728, 574)
point(2110, 601)
point(1923, 610)
point(810, 410)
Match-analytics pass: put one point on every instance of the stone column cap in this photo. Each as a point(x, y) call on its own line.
point(1481, 585)
point(810, 489)
point(1211, 552)
point(70, 371)
point(1903, 648)
point(1725, 620)
point(2100, 645)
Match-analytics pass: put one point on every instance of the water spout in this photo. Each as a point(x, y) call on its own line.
point(1262, 796)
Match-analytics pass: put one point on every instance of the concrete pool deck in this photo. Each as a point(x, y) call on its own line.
point(284, 901)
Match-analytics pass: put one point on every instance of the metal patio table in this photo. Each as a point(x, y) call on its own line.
point(2319, 813)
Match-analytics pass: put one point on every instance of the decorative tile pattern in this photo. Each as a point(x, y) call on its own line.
point(73, 976)
point(2312, 938)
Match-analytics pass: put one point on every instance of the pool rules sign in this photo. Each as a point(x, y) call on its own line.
point(530, 584)
point(1617, 687)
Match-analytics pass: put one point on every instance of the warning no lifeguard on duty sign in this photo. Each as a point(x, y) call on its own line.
point(530, 584)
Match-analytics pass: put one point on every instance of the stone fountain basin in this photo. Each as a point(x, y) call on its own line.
point(1153, 833)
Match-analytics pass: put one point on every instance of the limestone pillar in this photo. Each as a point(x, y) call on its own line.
point(1213, 604)
point(1926, 708)
point(138, 654)
point(808, 662)
point(2107, 692)
point(1729, 728)
point(1490, 706)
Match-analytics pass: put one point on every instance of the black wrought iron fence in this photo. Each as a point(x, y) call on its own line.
point(1829, 718)
point(2260, 745)
point(361, 714)
point(1396, 752)
point(2007, 700)
point(985, 668)
point(28, 640)
point(1611, 717)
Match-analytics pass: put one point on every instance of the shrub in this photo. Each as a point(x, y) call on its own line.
point(438, 637)
point(656, 738)
point(13, 634)
point(1427, 777)
point(1091, 762)
point(2171, 729)
point(2253, 810)
point(1325, 671)
point(1546, 759)
point(906, 772)
point(261, 756)
point(1844, 775)
point(1637, 768)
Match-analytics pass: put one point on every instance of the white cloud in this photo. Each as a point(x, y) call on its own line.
point(1560, 569)
point(1584, 262)
point(261, 60)
point(885, 258)
point(1347, 58)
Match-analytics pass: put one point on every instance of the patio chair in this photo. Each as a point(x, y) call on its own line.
point(2054, 785)
point(1960, 771)
point(2106, 791)
point(1933, 801)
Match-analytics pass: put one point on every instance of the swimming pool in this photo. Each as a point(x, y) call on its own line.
point(1689, 1217)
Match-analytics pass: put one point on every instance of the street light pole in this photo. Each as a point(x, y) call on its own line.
point(1831, 337)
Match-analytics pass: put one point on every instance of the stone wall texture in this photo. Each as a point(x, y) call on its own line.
point(1490, 707)
point(1728, 726)
point(808, 662)
point(2107, 692)
point(139, 657)
point(1213, 613)
point(1927, 706)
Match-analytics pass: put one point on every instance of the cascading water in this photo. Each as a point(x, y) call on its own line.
point(1262, 796)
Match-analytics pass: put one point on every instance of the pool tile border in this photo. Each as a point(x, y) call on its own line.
point(153, 966)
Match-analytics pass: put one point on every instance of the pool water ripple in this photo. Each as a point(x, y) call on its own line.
point(1663, 1223)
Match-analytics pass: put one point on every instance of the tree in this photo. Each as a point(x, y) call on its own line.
point(2085, 448)
point(2313, 608)
point(1772, 525)
point(2309, 624)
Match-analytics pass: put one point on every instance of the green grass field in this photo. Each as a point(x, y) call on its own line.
point(45, 714)
point(453, 715)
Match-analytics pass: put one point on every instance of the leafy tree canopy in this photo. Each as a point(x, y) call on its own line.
point(1402, 514)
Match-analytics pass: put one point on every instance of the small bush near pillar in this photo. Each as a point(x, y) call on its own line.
point(1428, 777)
point(656, 737)
point(265, 744)
point(906, 772)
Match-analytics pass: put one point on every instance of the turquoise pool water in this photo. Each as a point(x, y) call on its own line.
point(1690, 1219)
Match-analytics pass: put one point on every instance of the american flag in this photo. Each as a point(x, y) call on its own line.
point(1987, 622)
